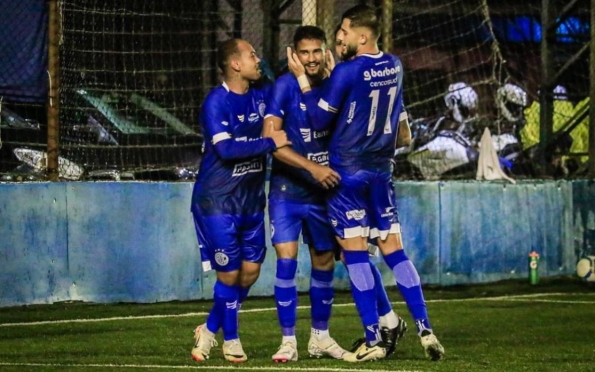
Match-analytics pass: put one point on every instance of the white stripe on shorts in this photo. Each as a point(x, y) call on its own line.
point(395, 228)
point(355, 232)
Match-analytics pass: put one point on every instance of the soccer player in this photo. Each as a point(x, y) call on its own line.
point(228, 199)
point(364, 100)
point(392, 327)
point(299, 178)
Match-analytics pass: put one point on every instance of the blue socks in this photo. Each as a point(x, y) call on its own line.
point(321, 298)
point(225, 311)
point(363, 291)
point(410, 287)
point(384, 305)
point(286, 295)
point(242, 295)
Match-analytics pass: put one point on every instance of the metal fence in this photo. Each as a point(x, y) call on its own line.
point(112, 89)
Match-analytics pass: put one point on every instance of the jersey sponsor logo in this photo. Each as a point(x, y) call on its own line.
point(241, 118)
point(319, 157)
point(241, 139)
point(356, 214)
point(351, 113)
point(253, 166)
point(302, 106)
point(322, 133)
point(221, 258)
point(306, 134)
point(253, 118)
point(387, 71)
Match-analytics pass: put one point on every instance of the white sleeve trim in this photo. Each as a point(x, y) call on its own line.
point(325, 106)
point(220, 137)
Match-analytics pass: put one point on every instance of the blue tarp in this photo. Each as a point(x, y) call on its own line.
point(23, 50)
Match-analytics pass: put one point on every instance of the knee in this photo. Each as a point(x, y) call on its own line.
point(230, 278)
point(249, 275)
point(324, 261)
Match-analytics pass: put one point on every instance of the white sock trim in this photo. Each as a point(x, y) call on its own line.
point(319, 333)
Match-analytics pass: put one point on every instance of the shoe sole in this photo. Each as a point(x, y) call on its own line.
point(236, 360)
point(325, 356)
point(198, 359)
point(434, 354)
point(284, 360)
point(373, 359)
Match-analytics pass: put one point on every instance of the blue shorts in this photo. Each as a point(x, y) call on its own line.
point(226, 240)
point(364, 205)
point(289, 218)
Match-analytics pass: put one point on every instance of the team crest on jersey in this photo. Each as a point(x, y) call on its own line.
point(221, 258)
point(302, 106)
point(241, 118)
point(306, 134)
point(261, 108)
point(253, 166)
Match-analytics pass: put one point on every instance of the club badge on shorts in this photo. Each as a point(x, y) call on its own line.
point(221, 258)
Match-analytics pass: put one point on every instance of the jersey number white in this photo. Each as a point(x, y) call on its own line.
point(375, 95)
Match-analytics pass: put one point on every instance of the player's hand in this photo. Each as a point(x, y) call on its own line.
point(278, 136)
point(294, 64)
point(327, 177)
point(330, 63)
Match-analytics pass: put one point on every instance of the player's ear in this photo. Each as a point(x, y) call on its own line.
point(363, 39)
point(235, 65)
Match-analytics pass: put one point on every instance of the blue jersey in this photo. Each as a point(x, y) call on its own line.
point(287, 182)
point(364, 96)
point(232, 171)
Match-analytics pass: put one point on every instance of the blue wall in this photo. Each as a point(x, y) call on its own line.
point(107, 242)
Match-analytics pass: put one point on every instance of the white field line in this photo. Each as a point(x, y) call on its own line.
point(527, 297)
point(209, 368)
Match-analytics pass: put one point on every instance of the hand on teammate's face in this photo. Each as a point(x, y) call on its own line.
point(330, 63)
point(294, 64)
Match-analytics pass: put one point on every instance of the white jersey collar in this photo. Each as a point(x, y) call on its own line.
point(377, 55)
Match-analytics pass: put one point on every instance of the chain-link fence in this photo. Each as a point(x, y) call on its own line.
point(133, 74)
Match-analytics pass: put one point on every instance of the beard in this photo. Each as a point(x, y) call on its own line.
point(349, 52)
point(315, 75)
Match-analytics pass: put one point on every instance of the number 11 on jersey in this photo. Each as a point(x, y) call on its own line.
point(375, 95)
